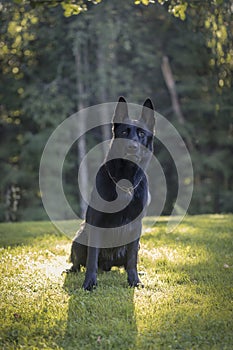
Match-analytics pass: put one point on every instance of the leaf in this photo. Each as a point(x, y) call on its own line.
point(144, 2)
point(180, 11)
point(71, 9)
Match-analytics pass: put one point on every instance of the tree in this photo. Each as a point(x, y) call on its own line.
point(121, 47)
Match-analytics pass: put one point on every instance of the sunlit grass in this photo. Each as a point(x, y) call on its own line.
point(187, 301)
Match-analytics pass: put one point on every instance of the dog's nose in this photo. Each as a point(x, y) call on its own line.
point(133, 146)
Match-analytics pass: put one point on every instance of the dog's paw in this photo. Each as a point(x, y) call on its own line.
point(136, 284)
point(133, 279)
point(90, 282)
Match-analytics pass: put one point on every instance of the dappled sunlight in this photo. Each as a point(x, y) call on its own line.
point(160, 253)
point(52, 265)
point(178, 261)
point(185, 229)
point(52, 268)
point(187, 277)
point(159, 227)
point(181, 229)
point(217, 216)
point(172, 256)
point(31, 268)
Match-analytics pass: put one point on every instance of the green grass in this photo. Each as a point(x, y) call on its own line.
point(187, 301)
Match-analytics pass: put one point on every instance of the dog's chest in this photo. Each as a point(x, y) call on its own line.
point(116, 253)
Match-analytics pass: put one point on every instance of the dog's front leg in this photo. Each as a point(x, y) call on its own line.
point(92, 266)
point(131, 264)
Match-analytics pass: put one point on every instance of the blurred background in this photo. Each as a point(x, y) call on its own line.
point(57, 59)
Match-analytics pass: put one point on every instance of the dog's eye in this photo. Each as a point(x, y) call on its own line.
point(141, 133)
point(124, 132)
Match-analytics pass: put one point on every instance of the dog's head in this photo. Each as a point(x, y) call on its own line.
point(138, 133)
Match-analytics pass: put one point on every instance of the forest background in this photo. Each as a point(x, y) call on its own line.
point(57, 58)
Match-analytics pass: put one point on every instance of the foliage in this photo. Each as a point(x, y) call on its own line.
point(74, 7)
point(122, 47)
point(185, 304)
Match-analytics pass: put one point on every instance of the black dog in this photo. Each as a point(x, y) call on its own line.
point(112, 237)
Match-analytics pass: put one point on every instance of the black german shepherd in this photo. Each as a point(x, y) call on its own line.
point(128, 158)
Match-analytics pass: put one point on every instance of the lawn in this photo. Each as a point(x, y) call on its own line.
point(187, 301)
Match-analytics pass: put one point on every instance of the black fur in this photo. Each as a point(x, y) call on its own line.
point(137, 133)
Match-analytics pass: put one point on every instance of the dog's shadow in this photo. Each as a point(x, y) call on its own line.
point(103, 318)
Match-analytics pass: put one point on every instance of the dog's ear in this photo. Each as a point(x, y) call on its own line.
point(148, 114)
point(121, 111)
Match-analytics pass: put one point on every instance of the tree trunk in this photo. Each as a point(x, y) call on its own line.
point(102, 78)
point(170, 82)
point(168, 77)
point(81, 144)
